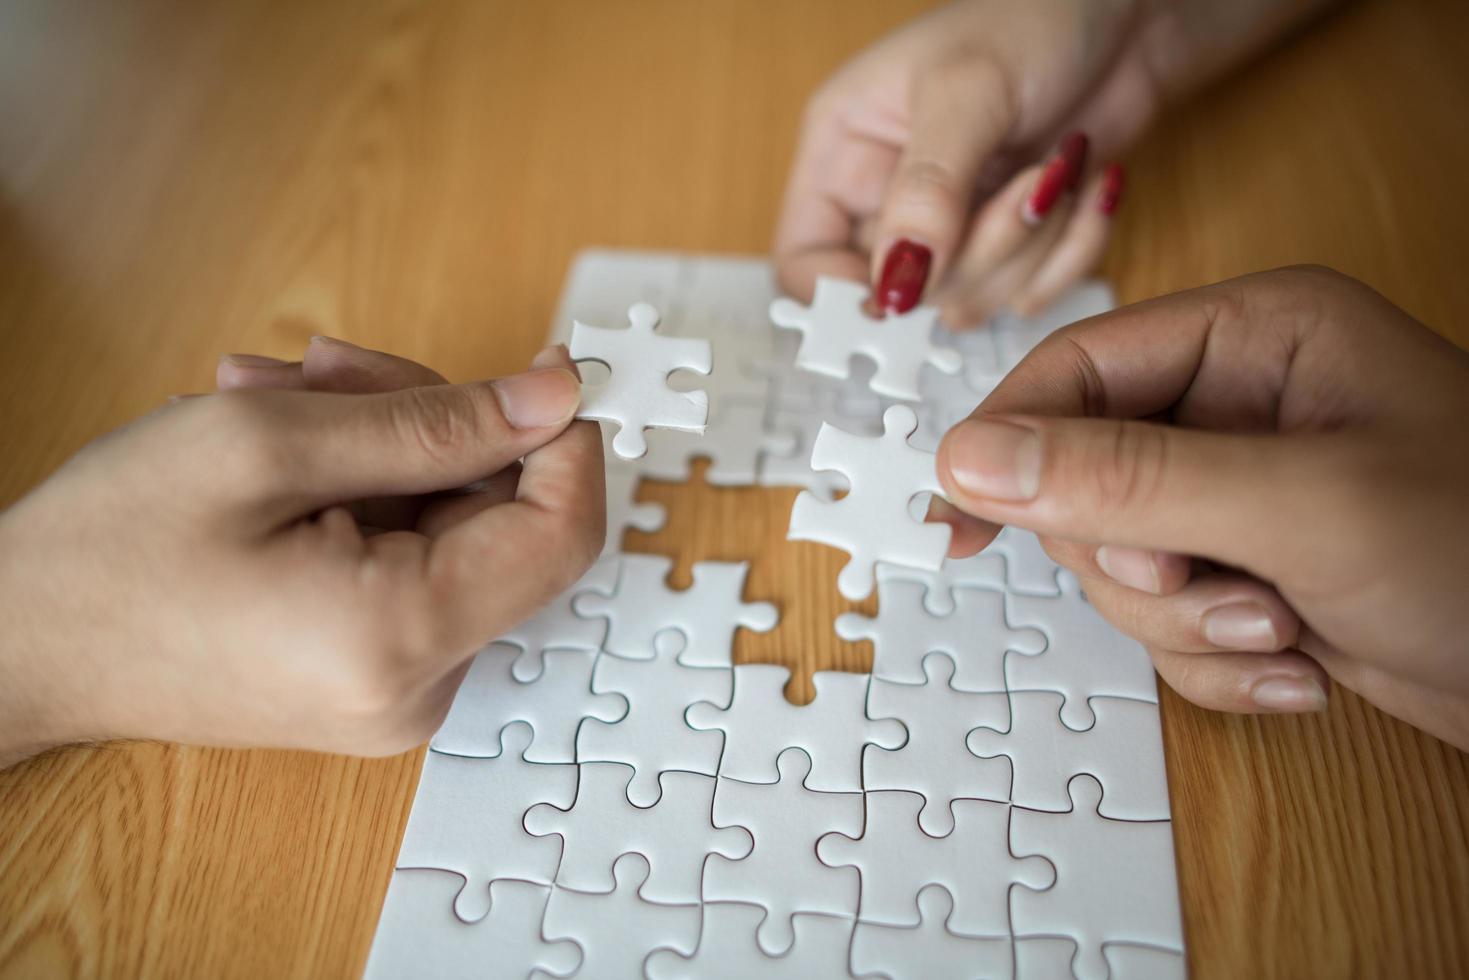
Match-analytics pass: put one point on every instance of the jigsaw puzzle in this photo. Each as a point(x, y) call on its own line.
point(638, 395)
point(611, 797)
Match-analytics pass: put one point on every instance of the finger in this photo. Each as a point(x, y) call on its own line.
point(443, 512)
point(1216, 613)
point(961, 112)
point(1152, 572)
point(335, 365)
point(534, 547)
point(984, 292)
point(1138, 484)
point(1288, 682)
point(301, 451)
point(254, 371)
point(1078, 248)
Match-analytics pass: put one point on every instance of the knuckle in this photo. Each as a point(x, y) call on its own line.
point(443, 421)
point(1126, 468)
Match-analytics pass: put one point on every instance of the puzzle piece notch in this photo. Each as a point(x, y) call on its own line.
point(1123, 750)
point(781, 874)
point(653, 738)
point(418, 933)
point(896, 860)
point(618, 930)
point(931, 950)
point(1115, 881)
point(554, 704)
point(736, 443)
point(728, 950)
point(759, 724)
point(976, 635)
point(835, 328)
point(935, 761)
point(638, 396)
point(466, 818)
point(558, 627)
point(675, 834)
point(706, 614)
point(1085, 656)
point(872, 522)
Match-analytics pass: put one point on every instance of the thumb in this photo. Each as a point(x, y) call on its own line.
point(961, 111)
point(1236, 499)
point(336, 447)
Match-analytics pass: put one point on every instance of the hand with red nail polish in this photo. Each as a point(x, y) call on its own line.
point(299, 561)
point(1299, 520)
point(949, 162)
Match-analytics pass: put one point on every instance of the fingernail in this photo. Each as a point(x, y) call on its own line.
point(904, 272)
point(1240, 626)
point(1074, 148)
point(537, 398)
point(333, 342)
point(251, 360)
point(548, 357)
point(1060, 174)
point(995, 459)
point(1132, 567)
point(1292, 694)
point(1113, 182)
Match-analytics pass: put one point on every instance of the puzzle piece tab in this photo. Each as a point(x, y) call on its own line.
point(617, 930)
point(873, 522)
point(836, 328)
point(638, 396)
point(931, 950)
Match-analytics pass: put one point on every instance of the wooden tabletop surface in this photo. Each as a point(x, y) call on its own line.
point(183, 179)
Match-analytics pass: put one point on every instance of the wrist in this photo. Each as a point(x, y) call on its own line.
point(39, 697)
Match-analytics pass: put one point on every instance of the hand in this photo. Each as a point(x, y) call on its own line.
point(200, 576)
point(1264, 481)
point(917, 161)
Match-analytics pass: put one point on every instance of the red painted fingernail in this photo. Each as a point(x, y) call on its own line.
point(1074, 148)
point(1112, 184)
point(904, 272)
point(1061, 174)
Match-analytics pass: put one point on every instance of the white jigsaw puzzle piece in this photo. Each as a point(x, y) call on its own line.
point(896, 860)
point(707, 613)
point(674, 834)
point(873, 522)
point(1115, 880)
point(836, 328)
point(617, 930)
point(935, 761)
point(553, 704)
point(1085, 656)
point(653, 738)
point(1015, 336)
point(794, 469)
point(466, 818)
point(558, 627)
point(602, 283)
point(1130, 962)
point(1124, 750)
point(976, 635)
point(728, 951)
point(781, 874)
point(638, 396)
point(930, 950)
point(418, 934)
point(759, 724)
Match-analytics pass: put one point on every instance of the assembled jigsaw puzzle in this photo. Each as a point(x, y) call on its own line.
point(610, 796)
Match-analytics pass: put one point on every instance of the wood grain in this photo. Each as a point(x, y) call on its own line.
point(182, 179)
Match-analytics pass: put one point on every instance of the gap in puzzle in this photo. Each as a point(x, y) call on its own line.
point(615, 794)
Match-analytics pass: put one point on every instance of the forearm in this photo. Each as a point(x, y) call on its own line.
point(1189, 43)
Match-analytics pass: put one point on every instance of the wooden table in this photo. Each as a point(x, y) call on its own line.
point(182, 179)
